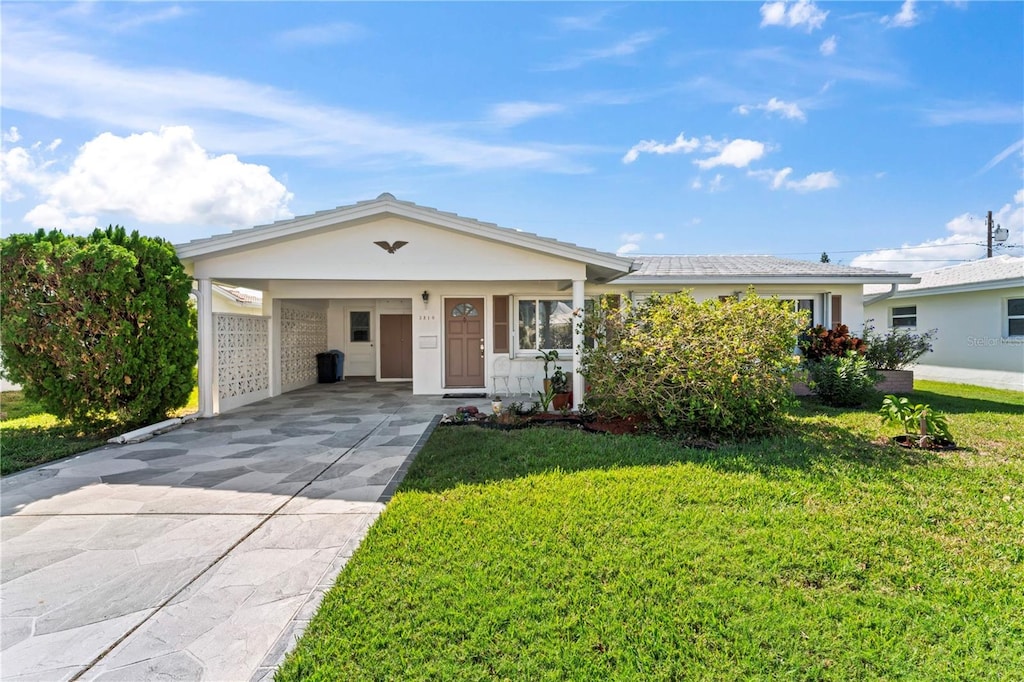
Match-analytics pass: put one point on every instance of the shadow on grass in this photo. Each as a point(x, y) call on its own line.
point(471, 455)
point(962, 405)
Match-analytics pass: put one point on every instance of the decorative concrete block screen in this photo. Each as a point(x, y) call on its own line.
point(303, 335)
point(243, 353)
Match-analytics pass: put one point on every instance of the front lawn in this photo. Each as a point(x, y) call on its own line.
point(29, 436)
point(820, 554)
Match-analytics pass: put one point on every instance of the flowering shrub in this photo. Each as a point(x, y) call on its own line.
point(818, 342)
point(710, 369)
point(898, 348)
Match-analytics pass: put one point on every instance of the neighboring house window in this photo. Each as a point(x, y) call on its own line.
point(359, 325)
point(904, 316)
point(1015, 317)
point(545, 323)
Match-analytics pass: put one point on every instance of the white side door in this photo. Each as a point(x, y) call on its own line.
point(360, 340)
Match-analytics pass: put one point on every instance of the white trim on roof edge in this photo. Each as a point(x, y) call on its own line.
point(989, 285)
point(387, 204)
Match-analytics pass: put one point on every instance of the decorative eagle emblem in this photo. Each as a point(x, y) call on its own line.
point(391, 248)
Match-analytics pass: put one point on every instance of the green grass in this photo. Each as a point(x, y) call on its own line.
point(823, 553)
point(29, 436)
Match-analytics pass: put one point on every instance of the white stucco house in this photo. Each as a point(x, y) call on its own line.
point(978, 309)
point(452, 304)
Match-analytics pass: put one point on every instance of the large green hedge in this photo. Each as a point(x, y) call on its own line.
point(97, 327)
point(715, 369)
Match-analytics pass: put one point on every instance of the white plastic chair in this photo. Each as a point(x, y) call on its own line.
point(501, 373)
point(524, 375)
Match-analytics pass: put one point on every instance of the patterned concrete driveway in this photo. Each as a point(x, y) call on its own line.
point(202, 553)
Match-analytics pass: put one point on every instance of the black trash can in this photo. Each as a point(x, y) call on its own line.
point(341, 363)
point(326, 368)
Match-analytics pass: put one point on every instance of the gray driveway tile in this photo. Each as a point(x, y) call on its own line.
point(205, 550)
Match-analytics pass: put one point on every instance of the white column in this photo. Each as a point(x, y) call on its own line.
point(578, 303)
point(207, 350)
point(273, 308)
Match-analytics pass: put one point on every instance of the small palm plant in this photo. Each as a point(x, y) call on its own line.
point(921, 424)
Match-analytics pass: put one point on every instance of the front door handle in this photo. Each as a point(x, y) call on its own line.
point(481, 347)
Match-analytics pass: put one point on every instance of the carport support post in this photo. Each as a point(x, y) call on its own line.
point(577, 342)
point(206, 348)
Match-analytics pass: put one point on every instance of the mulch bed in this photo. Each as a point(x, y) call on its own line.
point(613, 425)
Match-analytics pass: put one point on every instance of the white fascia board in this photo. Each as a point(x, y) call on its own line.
point(961, 288)
point(310, 224)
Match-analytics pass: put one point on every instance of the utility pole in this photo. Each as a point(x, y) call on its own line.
point(999, 234)
point(988, 225)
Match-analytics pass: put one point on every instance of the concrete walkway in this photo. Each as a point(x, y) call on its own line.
point(200, 554)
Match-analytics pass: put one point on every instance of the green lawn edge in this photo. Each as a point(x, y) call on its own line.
point(823, 553)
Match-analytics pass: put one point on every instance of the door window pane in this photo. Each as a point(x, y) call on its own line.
point(359, 325)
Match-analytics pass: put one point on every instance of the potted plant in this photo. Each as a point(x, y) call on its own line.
point(891, 353)
point(923, 427)
point(561, 385)
point(548, 357)
point(496, 404)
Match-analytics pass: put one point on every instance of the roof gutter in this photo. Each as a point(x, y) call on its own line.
point(875, 298)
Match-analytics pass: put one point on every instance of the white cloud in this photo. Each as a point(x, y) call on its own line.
point(48, 216)
point(966, 242)
point(793, 15)
point(582, 22)
point(1015, 148)
point(164, 177)
point(952, 113)
point(53, 145)
point(717, 183)
point(509, 114)
point(43, 76)
point(632, 241)
point(737, 153)
point(623, 48)
point(681, 144)
point(21, 168)
point(905, 18)
point(697, 183)
point(316, 35)
point(814, 182)
point(12, 135)
point(775, 106)
point(829, 45)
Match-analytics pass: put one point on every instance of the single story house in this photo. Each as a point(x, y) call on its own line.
point(452, 304)
point(978, 309)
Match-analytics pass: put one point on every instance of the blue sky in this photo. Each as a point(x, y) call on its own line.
point(879, 132)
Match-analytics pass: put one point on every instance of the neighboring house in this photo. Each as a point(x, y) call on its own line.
point(453, 304)
point(978, 308)
point(237, 300)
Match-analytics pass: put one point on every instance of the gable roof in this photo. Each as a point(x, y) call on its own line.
point(980, 275)
point(601, 266)
point(750, 269)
